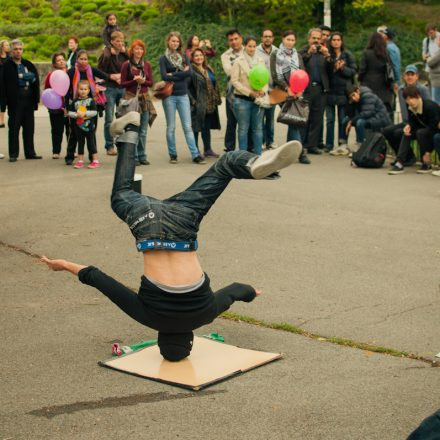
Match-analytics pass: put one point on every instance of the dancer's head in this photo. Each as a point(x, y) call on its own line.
point(175, 346)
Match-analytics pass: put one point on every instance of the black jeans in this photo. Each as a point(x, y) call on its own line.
point(83, 136)
point(72, 140)
point(21, 116)
point(424, 138)
point(58, 123)
point(178, 217)
point(317, 101)
point(393, 134)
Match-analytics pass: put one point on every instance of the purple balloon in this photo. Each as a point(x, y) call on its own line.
point(51, 99)
point(60, 82)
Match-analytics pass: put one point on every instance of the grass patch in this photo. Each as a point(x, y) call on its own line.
point(329, 339)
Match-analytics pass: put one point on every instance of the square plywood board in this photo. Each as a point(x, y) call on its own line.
point(210, 362)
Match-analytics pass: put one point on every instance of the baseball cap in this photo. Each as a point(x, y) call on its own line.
point(411, 68)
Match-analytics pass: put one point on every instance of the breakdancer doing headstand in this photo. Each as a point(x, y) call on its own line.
point(175, 295)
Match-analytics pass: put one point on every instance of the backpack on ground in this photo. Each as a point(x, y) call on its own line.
point(372, 152)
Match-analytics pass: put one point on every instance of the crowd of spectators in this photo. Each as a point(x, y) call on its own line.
point(364, 96)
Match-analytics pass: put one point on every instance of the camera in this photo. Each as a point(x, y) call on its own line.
point(318, 48)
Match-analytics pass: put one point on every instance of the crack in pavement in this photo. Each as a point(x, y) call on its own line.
point(115, 402)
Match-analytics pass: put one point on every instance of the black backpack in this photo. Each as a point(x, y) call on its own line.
point(372, 152)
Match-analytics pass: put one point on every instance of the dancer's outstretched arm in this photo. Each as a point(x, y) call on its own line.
point(127, 300)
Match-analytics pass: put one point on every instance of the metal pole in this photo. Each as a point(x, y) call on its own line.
point(327, 13)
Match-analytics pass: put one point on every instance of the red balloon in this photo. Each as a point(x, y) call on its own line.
point(298, 81)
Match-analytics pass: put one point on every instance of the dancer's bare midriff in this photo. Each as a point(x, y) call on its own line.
point(172, 268)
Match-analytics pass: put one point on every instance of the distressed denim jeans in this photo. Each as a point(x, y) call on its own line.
point(178, 217)
point(113, 96)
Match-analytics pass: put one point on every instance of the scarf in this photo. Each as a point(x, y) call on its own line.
point(252, 61)
point(77, 77)
point(286, 61)
point(175, 58)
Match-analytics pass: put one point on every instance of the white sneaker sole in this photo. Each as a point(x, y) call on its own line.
point(275, 160)
point(118, 125)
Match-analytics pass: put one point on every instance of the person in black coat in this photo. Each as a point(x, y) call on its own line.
point(344, 70)
point(423, 124)
point(20, 91)
point(319, 66)
point(373, 68)
point(204, 98)
point(365, 111)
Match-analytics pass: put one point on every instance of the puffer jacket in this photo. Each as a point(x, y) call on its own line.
point(370, 108)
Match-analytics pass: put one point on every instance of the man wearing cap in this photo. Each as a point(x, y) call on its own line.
point(394, 133)
point(175, 296)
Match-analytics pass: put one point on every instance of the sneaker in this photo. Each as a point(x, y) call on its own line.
point(173, 159)
point(94, 164)
point(426, 168)
point(436, 173)
point(69, 161)
point(314, 150)
point(199, 160)
point(112, 152)
point(274, 160)
point(118, 125)
point(271, 146)
point(210, 153)
point(304, 159)
point(2, 156)
point(342, 150)
point(55, 156)
point(144, 162)
point(395, 169)
point(79, 164)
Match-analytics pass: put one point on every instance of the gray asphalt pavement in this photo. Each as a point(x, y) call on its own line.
point(343, 252)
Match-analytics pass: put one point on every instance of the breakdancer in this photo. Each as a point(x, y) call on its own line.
point(174, 297)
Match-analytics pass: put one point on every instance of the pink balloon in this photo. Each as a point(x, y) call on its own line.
point(51, 99)
point(60, 82)
point(298, 81)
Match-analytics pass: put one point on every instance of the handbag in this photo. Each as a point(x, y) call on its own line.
point(128, 104)
point(295, 111)
point(389, 72)
point(163, 89)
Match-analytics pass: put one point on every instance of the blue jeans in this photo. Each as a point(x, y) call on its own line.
point(330, 111)
point(181, 104)
point(178, 217)
point(268, 126)
point(436, 143)
point(293, 133)
point(249, 117)
point(141, 150)
point(361, 127)
point(435, 94)
point(113, 96)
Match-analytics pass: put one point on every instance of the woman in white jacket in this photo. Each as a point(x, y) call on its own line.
point(248, 113)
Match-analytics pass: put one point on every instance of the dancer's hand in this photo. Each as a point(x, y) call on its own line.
point(258, 292)
point(58, 265)
point(54, 264)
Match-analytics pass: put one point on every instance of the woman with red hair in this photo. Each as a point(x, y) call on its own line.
point(136, 78)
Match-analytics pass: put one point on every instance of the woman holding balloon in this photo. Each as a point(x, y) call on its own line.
point(288, 73)
point(58, 120)
point(250, 79)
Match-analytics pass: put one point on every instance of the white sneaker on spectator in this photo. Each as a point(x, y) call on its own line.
point(272, 146)
point(436, 173)
point(342, 150)
point(2, 156)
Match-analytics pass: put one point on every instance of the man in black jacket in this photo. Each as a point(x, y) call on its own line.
point(175, 296)
point(20, 91)
point(423, 124)
point(318, 64)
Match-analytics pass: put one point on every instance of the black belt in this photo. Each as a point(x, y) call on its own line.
point(314, 84)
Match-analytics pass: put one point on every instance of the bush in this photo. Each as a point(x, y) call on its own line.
point(66, 11)
point(13, 14)
point(149, 14)
point(90, 42)
point(89, 7)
